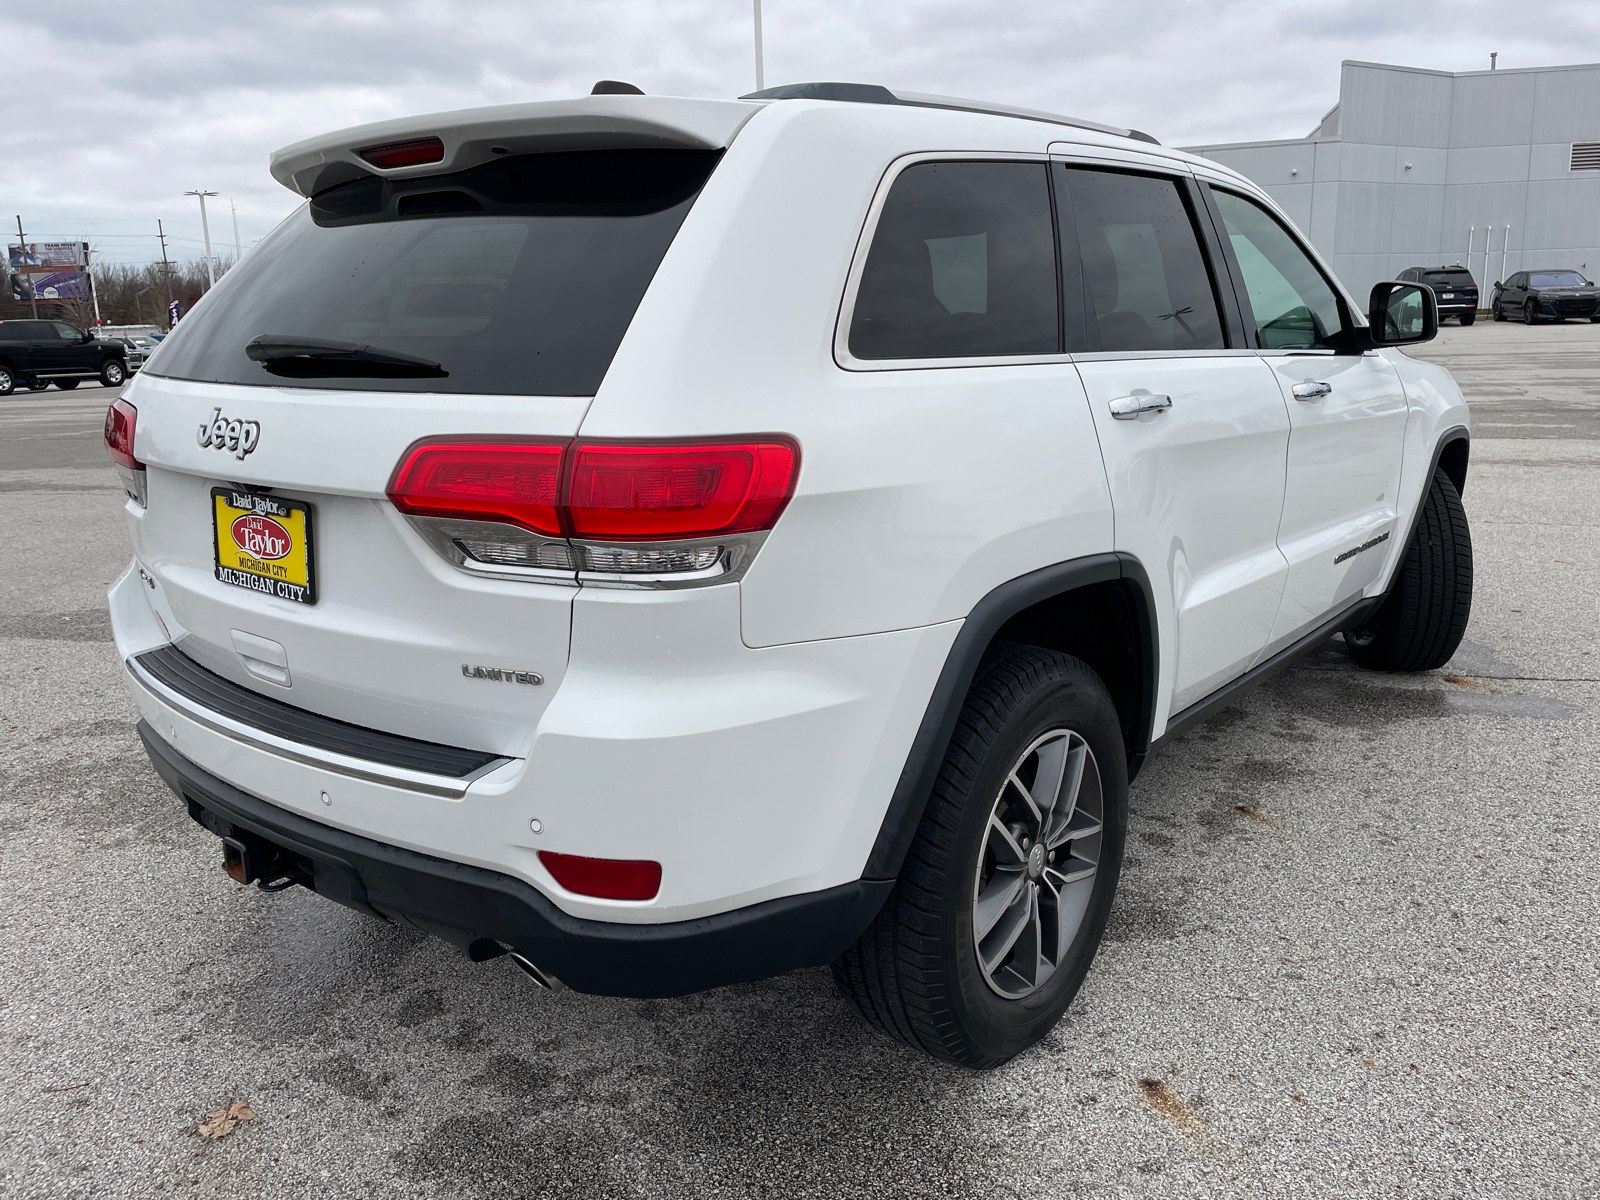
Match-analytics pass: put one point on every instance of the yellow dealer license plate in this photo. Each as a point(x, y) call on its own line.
point(264, 544)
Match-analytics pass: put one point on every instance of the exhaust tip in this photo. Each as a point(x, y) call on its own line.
point(233, 861)
point(548, 982)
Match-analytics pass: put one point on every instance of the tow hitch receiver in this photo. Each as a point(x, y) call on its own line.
point(250, 859)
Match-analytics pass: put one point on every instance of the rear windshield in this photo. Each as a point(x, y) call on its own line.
point(516, 277)
point(1459, 279)
point(1557, 279)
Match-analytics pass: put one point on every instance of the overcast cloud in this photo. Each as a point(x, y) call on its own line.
point(110, 112)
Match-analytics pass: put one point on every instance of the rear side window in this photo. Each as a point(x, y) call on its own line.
point(1146, 279)
point(1295, 308)
point(962, 264)
point(516, 277)
point(12, 331)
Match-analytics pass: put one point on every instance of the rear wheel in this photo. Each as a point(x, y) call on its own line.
point(8, 381)
point(112, 373)
point(1006, 890)
point(1467, 318)
point(66, 385)
point(38, 385)
point(1421, 623)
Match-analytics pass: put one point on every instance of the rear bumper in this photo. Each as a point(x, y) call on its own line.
point(464, 903)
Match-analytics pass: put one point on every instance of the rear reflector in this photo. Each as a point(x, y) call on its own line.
point(120, 420)
point(516, 482)
point(607, 878)
point(664, 491)
point(604, 491)
point(405, 154)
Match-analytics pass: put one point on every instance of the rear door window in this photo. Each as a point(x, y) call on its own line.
point(517, 277)
point(1295, 308)
point(962, 264)
point(1145, 277)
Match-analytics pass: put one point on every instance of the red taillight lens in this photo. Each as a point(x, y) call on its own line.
point(120, 420)
point(405, 154)
point(661, 491)
point(607, 878)
point(518, 482)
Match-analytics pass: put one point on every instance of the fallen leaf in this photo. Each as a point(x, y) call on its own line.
point(221, 1123)
point(1367, 1062)
point(1298, 1098)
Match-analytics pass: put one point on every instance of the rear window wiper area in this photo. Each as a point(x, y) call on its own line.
point(299, 357)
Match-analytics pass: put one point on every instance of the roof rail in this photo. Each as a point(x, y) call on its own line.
point(874, 93)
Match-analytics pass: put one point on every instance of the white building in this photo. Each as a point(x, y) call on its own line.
point(1499, 170)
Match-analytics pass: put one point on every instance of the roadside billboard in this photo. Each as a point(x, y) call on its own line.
point(48, 256)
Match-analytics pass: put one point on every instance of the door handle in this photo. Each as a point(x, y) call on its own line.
point(1310, 390)
point(1126, 408)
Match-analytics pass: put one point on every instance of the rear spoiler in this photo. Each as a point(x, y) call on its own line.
point(475, 135)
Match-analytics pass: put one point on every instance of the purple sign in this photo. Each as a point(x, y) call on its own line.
point(61, 285)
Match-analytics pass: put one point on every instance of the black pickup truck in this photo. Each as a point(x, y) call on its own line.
point(36, 354)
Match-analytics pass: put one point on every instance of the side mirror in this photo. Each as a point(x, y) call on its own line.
point(1401, 314)
point(88, 335)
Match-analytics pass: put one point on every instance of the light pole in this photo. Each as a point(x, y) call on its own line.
point(761, 71)
point(205, 231)
point(237, 253)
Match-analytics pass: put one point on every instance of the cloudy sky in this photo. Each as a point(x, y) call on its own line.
point(111, 111)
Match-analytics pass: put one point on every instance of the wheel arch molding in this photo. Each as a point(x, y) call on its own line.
point(1069, 606)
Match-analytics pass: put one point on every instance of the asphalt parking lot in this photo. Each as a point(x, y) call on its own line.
point(1354, 953)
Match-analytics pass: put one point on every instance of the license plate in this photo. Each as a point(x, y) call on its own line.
point(1449, 295)
point(264, 543)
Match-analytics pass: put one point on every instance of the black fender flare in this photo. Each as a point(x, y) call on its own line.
point(922, 764)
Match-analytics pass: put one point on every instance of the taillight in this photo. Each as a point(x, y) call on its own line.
point(405, 154)
point(120, 420)
point(620, 492)
point(518, 482)
point(607, 878)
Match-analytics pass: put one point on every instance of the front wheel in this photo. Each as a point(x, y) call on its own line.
point(66, 385)
point(1007, 887)
point(113, 373)
point(1467, 318)
point(1530, 313)
point(1422, 622)
point(1499, 313)
point(38, 385)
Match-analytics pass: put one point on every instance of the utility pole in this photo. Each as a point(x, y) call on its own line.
point(237, 253)
point(22, 248)
point(761, 66)
point(205, 232)
point(88, 270)
point(166, 267)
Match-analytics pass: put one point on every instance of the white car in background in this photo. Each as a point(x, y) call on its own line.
point(678, 541)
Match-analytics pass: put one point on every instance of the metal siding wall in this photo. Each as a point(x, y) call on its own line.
point(1394, 106)
point(1492, 108)
point(1567, 106)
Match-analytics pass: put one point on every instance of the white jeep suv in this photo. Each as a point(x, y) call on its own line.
point(678, 541)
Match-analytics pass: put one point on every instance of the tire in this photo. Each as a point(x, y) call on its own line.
point(1467, 318)
point(1595, 320)
point(113, 373)
point(1421, 623)
point(8, 381)
point(66, 385)
point(1530, 313)
point(916, 974)
point(38, 385)
point(1499, 313)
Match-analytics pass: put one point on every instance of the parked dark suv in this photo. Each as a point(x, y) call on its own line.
point(1547, 296)
point(1454, 287)
point(38, 353)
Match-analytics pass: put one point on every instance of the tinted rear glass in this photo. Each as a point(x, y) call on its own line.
point(962, 264)
point(1557, 279)
point(518, 277)
point(1460, 279)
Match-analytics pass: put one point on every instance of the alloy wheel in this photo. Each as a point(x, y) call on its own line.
point(1036, 875)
